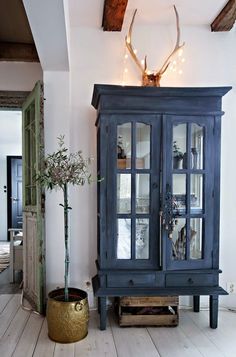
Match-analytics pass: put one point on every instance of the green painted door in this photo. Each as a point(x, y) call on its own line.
point(33, 199)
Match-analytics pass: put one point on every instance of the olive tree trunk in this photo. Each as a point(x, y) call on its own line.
point(66, 236)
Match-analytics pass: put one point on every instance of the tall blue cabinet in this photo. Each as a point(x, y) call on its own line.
point(158, 159)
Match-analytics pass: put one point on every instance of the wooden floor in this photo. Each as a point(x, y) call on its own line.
point(9, 288)
point(24, 334)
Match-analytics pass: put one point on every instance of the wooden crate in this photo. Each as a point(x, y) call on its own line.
point(148, 311)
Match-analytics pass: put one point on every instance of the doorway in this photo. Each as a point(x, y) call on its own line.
point(10, 192)
point(14, 193)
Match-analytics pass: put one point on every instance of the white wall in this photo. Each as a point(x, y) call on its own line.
point(98, 57)
point(57, 121)
point(10, 144)
point(19, 76)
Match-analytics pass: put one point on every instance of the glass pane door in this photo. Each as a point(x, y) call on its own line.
point(185, 212)
point(134, 174)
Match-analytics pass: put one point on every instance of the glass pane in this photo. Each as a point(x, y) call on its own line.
point(142, 193)
point(30, 156)
point(124, 146)
point(179, 240)
point(179, 192)
point(123, 193)
point(124, 238)
point(142, 146)
point(196, 238)
point(197, 142)
point(142, 239)
point(179, 146)
point(196, 193)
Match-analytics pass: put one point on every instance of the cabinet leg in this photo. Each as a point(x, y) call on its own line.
point(214, 301)
point(102, 308)
point(99, 305)
point(196, 303)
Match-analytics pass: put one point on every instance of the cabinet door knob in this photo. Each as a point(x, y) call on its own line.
point(131, 282)
point(190, 281)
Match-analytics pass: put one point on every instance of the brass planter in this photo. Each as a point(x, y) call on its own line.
point(67, 321)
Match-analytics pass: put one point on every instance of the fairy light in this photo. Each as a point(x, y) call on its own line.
point(177, 63)
point(180, 52)
point(125, 69)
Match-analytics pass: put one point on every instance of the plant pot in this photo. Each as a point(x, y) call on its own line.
point(67, 321)
point(177, 163)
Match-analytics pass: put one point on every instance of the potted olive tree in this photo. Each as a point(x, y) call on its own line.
point(67, 308)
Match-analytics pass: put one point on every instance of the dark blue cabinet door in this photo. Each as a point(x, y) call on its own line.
point(133, 186)
point(188, 191)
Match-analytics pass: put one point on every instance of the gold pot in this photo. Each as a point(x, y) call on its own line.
point(67, 321)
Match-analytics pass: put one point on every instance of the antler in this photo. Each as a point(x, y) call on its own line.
point(152, 79)
point(130, 47)
point(177, 45)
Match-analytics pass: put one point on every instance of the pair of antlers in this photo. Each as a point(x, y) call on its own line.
point(148, 77)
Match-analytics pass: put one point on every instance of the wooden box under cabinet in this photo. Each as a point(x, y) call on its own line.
point(158, 154)
point(148, 311)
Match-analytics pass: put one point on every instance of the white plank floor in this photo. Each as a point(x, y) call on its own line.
point(24, 334)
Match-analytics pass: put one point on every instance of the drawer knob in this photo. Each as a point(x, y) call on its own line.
point(131, 282)
point(190, 281)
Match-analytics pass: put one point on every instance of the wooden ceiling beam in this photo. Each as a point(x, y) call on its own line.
point(113, 14)
point(18, 52)
point(226, 18)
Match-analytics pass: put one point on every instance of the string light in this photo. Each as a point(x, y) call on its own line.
point(176, 64)
point(125, 69)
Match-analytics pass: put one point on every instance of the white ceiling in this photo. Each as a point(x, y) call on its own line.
point(192, 12)
point(48, 22)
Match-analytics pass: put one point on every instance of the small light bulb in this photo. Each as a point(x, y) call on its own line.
point(142, 61)
point(171, 68)
point(183, 60)
point(126, 70)
point(180, 71)
point(149, 72)
point(126, 55)
point(174, 62)
point(123, 84)
point(135, 51)
point(180, 52)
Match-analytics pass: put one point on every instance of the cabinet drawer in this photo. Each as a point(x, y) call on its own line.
point(130, 280)
point(190, 280)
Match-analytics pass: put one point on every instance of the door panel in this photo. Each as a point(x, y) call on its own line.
point(187, 192)
point(33, 199)
point(16, 197)
point(133, 190)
